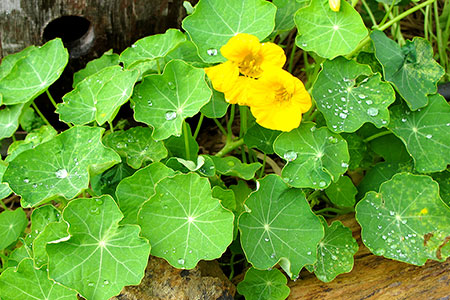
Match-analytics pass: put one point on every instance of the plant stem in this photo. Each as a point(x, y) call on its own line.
point(199, 125)
point(376, 135)
point(111, 126)
point(51, 98)
point(230, 146)
point(291, 58)
point(3, 205)
point(158, 66)
point(263, 166)
point(230, 122)
point(441, 48)
point(276, 169)
point(387, 14)
point(369, 11)
point(243, 110)
point(40, 114)
point(186, 140)
point(221, 128)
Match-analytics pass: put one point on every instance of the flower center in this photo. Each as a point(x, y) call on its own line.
point(282, 95)
point(251, 66)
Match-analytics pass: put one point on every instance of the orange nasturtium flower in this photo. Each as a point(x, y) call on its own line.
point(247, 60)
point(278, 100)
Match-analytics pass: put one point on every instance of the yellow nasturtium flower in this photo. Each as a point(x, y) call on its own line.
point(278, 100)
point(335, 5)
point(247, 60)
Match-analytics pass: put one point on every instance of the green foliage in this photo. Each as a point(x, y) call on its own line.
point(185, 178)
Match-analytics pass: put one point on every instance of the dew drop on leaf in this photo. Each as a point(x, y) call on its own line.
point(428, 136)
point(61, 173)
point(99, 201)
point(369, 102)
point(171, 85)
point(290, 155)
point(170, 115)
point(372, 111)
point(26, 180)
point(212, 52)
point(181, 261)
point(266, 239)
point(344, 165)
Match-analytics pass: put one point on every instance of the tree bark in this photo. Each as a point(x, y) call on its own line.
point(375, 277)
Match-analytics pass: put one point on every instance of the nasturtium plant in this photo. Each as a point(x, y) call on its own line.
point(185, 225)
point(406, 220)
point(347, 103)
point(335, 252)
point(101, 256)
point(411, 68)
point(264, 285)
point(279, 226)
point(328, 33)
point(315, 157)
point(60, 166)
point(237, 137)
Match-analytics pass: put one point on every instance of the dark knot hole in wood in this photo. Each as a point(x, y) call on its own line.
point(77, 34)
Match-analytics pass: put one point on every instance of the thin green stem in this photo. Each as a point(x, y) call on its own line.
point(186, 134)
point(231, 266)
point(369, 11)
point(199, 125)
point(158, 66)
point(313, 195)
point(376, 135)
point(263, 167)
point(221, 128)
point(230, 146)
point(13, 137)
point(230, 122)
point(3, 205)
point(291, 58)
point(40, 114)
point(244, 157)
point(426, 24)
point(388, 12)
point(404, 14)
point(111, 126)
point(50, 97)
point(243, 110)
point(354, 2)
point(441, 47)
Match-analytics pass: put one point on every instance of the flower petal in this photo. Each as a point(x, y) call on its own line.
point(273, 56)
point(241, 46)
point(240, 92)
point(223, 76)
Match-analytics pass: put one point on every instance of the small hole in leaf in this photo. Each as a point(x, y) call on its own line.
point(76, 32)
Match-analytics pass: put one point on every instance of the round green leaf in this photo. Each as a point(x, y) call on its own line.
point(12, 224)
point(286, 9)
point(4, 188)
point(9, 119)
point(9, 61)
point(108, 59)
point(279, 226)
point(137, 145)
point(390, 147)
point(231, 166)
point(326, 32)
point(315, 157)
point(335, 252)
point(214, 22)
point(107, 182)
point(34, 73)
point(152, 47)
point(443, 179)
point(133, 191)
point(264, 285)
point(342, 192)
point(411, 68)
point(261, 138)
point(40, 218)
point(217, 107)
point(425, 133)
point(101, 257)
point(28, 283)
point(164, 101)
point(347, 103)
point(406, 220)
point(98, 97)
point(59, 167)
point(183, 223)
point(54, 232)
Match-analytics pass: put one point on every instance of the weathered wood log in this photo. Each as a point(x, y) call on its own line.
point(87, 27)
point(375, 277)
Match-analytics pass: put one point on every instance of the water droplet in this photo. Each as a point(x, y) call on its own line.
point(95, 211)
point(170, 115)
point(171, 85)
point(379, 226)
point(133, 46)
point(106, 282)
point(369, 102)
point(181, 261)
point(266, 239)
point(98, 201)
point(342, 116)
point(304, 44)
point(403, 120)
point(290, 155)
point(26, 180)
point(149, 102)
point(212, 52)
point(361, 96)
point(61, 173)
point(322, 183)
point(333, 257)
point(332, 139)
point(344, 165)
point(343, 99)
point(35, 186)
point(372, 111)
point(90, 284)
point(272, 255)
point(428, 136)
